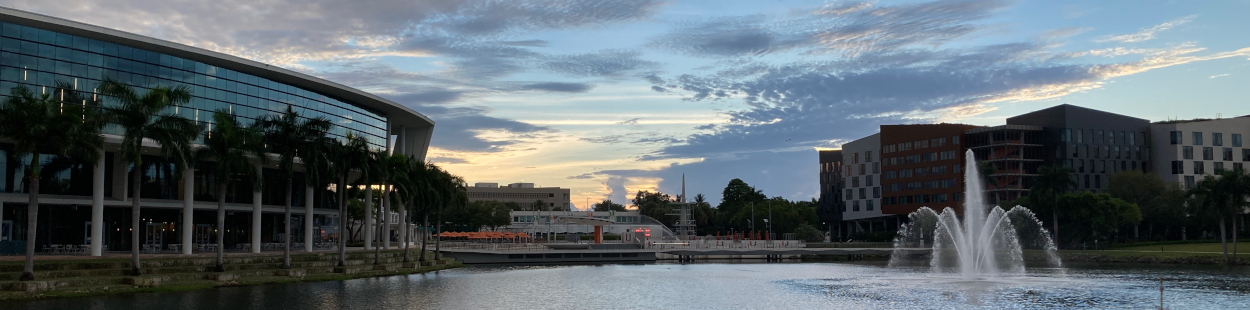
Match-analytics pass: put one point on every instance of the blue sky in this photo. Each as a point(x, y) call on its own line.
point(611, 97)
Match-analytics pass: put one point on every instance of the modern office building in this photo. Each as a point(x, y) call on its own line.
point(861, 170)
point(524, 194)
point(1185, 151)
point(1094, 144)
point(923, 167)
point(91, 205)
point(831, 186)
point(541, 223)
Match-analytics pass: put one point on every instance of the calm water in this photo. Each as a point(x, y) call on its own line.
point(715, 286)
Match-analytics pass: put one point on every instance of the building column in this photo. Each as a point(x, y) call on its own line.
point(256, 215)
point(386, 218)
point(188, 210)
point(308, 219)
point(369, 220)
point(97, 207)
point(403, 227)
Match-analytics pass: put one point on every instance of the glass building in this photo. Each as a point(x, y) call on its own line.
point(38, 52)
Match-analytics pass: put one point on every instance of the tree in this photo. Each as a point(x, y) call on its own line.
point(144, 116)
point(1222, 197)
point(1094, 216)
point(288, 134)
point(1053, 181)
point(1157, 201)
point(736, 196)
point(656, 205)
point(987, 171)
point(608, 205)
point(808, 233)
point(704, 215)
point(64, 122)
point(229, 145)
point(347, 156)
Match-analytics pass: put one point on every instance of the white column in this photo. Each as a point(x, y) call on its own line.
point(188, 210)
point(97, 208)
point(369, 214)
point(308, 219)
point(386, 218)
point(256, 217)
point(403, 230)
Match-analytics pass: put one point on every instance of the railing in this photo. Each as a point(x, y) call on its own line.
point(726, 244)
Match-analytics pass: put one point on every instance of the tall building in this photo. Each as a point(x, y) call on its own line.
point(1094, 144)
point(861, 171)
point(923, 167)
point(93, 206)
point(1185, 151)
point(831, 185)
point(524, 194)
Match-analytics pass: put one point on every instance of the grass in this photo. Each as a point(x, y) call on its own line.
point(1192, 247)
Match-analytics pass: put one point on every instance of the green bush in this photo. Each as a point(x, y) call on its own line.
point(808, 233)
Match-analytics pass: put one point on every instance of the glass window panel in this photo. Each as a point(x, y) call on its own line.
point(81, 43)
point(109, 48)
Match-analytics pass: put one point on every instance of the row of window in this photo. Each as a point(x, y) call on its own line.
point(919, 158)
point(1107, 151)
point(863, 193)
point(1208, 153)
point(1110, 137)
point(867, 181)
point(1200, 167)
point(855, 157)
point(931, 198)
point(867, 205)
point(1217, 138)
point(920, 144)
point(863, 169)
point(930, 184)
point(917, 172)
point(1104, 166)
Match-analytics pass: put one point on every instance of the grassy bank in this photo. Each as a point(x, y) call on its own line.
point(95, 277)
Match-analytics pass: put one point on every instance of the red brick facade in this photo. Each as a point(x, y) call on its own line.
point(922, 165)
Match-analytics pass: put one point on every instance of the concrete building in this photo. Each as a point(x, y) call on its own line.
point(1185, 151)
point(923, 167)
point(524, 194)
point(861, 174)
point(93, 207)
point(831, 186)
point(540, 223)
point(1014, 151)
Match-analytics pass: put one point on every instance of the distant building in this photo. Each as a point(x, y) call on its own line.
point(923, 167)
point(831, 186)
point(525, 194)
point(1185, 151)
point(1014, 151)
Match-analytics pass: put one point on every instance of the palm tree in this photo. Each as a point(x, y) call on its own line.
point(403, 196)
point(422, 178)
point(289, 134)
point(144, 116)
point(230, 144)
point(1223, 196)
point(370, 169)
point(346, 156)
point(452, 194)
point(63, 122)
point(1053, 181)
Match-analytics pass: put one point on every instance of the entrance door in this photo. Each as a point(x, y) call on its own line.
point(86, 232)
point(203, 234)
point(155, 237)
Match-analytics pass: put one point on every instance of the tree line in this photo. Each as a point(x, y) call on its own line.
point(67, 123)
point(1140, 206)
point(741, 205)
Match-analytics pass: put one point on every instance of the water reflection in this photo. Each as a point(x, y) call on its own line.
point(714, 286)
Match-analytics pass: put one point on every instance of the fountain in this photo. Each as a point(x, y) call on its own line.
point(983, 245)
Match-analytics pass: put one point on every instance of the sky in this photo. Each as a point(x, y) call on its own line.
point(607, 97)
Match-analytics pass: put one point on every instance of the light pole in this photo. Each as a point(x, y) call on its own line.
point(752, 217)
point(769, 221)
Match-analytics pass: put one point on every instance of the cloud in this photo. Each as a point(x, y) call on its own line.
point(1147, 34)
point(558, 87)
point(849, 28)
point(603, 139)
point(632, 121)
point(603, 63)
point(583, 176)
point(447, 160)
point(1220, 75)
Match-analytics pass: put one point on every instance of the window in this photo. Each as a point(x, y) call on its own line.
point(1208, 153)
point(1067, 135)
point(896, 187)
point(1078, 136)
point(905, 173)
point(1228, 154)
point(1176, 137)
point(876, 192)
point(1218, 167)
point(1199, 169)
point(854, 158)
point(855, 205)
point(868, 180)
point(955, 140)
point(1178, 167)
point(911, 159)
point(1132, 138)
point(1189, 182)
point(876, 167)
point(1197, 138)
point(1237, 166)
point(1099, 137)
point(854, 181)
point(1236, 140)
point(1217, 139)
point(930, 184)
point(850, 194)
point(957, 169)
point(922, 144)
point(939, 170)
point(868, 205)
point(888, 175)
point(929, 157)
point(948, 183)
point(939, 198)
point(1116, 151)
point(1245, 154)
point(867, 156)
point(862, 169)
point(1086, 181)
point(1097, 181)
point(1187, 152)
point(863, 193)
point(922, 171)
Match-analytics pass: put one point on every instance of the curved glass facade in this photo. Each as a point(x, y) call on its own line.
point(38, 59)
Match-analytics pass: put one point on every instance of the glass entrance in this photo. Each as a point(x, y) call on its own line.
point(154, 237)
